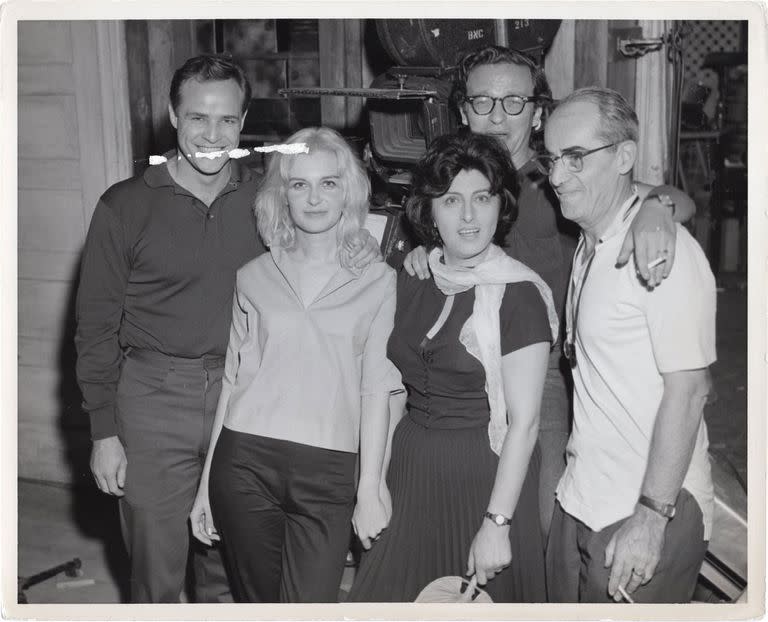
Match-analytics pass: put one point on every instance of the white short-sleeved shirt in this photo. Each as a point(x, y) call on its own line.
point(298, 372)
point(626, 337)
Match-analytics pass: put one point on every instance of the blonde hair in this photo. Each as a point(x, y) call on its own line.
point(273, 217)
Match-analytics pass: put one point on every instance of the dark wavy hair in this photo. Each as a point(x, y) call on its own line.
point(208, 68)
point(446, 157)
point(498, 55)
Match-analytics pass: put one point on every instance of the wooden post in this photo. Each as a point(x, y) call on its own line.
point(341, 65)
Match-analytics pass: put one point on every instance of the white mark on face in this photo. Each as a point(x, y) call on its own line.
point(284, 149)
point(235, 154)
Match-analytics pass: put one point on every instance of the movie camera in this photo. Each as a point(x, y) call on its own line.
point(409, 105)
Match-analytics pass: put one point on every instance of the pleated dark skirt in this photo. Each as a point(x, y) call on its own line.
point(441, 481)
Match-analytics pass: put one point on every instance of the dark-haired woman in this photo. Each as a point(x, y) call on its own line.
point(472, 345)
point(503, 93)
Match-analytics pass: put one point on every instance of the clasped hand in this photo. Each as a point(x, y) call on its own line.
point(490, 552)
point(201, 519)
point(372, 514)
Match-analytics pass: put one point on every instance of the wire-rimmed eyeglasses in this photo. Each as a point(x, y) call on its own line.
point(573, 160)
point(511, 104)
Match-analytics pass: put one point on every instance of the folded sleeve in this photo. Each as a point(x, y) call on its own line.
point(244, 321)
point(378, 372)
point(523, 317)
point(681, 311)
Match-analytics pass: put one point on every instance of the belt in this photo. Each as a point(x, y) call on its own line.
point(152, 357)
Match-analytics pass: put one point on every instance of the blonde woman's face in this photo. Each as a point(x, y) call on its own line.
point(314, 191)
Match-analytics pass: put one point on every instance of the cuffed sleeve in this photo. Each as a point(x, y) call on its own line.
point(241, 325)
point(681, 311)
point(104, 272)
point(379, 374)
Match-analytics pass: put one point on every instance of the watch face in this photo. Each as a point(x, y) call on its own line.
point(499, 520)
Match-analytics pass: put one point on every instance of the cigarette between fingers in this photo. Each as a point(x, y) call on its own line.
point(625, 596)
point(656, 262)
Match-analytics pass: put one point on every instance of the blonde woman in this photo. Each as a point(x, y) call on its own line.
point(305, 388)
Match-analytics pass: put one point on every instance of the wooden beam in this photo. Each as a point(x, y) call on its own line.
point(353, 74)
point(331, 34)
point(89, 116)
point(590, 53)
point(139, 91)
point(115, 103)
point(161, 68)
point(621, 70)
point(559, 61)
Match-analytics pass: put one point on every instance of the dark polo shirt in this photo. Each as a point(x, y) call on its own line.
point(538, 238)
point(158, 273)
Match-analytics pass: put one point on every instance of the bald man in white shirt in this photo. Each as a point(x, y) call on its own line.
point(635, 503)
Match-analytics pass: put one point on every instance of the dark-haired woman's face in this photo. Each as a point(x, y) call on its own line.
point(466, 217)
point(514, 131)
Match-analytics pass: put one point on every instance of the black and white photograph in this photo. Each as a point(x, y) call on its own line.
point(321, 313)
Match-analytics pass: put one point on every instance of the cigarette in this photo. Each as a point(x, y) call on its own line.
point(625, 596)
point(656, 262)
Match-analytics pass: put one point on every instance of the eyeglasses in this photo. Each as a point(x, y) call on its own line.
point(572, 160)
point(511, 104)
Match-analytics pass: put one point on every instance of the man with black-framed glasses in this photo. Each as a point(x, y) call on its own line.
point(634, 509)
point(504, 93)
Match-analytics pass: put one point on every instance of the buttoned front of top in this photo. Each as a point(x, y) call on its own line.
point(297, 370)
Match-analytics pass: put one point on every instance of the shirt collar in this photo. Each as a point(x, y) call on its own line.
point(623, 218)
point(289, 269)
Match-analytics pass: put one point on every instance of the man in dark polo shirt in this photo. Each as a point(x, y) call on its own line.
point(153, 315)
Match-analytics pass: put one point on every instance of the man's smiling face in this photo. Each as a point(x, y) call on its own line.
point(209, 118)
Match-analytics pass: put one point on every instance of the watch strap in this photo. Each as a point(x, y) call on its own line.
point(667, 510)
point(497, 519)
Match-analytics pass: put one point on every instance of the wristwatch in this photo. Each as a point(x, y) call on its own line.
point(498, 519)
point(664, 199)
point(667, 510)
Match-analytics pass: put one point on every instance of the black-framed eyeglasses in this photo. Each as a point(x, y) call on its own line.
point(511, 104)
point(572, 160)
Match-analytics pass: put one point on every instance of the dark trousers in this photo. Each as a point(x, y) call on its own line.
point(576, 559)
point(165, 411)
point(283, 511)
point(554, 428)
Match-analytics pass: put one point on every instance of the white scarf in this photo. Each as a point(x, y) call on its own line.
point(481, 333)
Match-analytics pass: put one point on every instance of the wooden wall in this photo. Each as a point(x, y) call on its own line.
point(69, 152)
point(75, 140)
point(582, 54)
